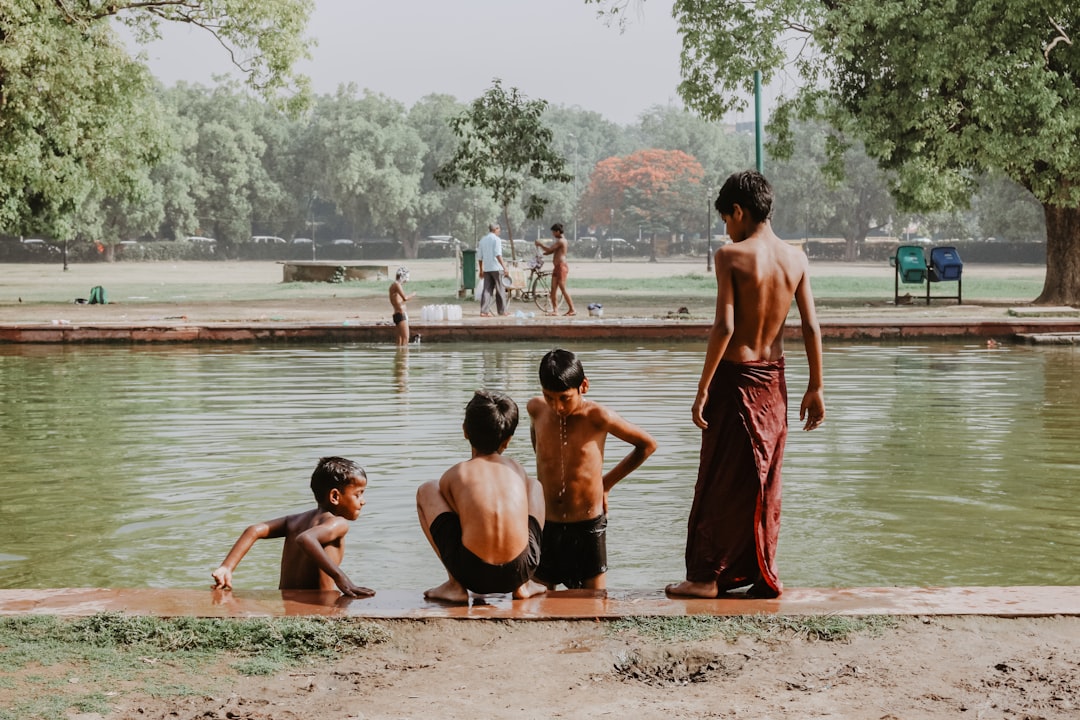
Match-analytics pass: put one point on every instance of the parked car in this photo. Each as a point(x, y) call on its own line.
point(343, 241)
point(301, 241)
point(200, 239)
point(267, 240)
point(37, 245)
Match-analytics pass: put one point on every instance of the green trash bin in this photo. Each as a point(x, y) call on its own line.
point(468, 270)
point(910, 262)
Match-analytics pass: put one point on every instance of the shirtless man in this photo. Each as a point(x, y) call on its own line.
point(741, 403)
point(398, 298)
point(560, 269)
point(484, 517)
point(568, 435)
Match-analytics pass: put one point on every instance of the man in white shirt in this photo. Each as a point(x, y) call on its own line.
point(492, 269)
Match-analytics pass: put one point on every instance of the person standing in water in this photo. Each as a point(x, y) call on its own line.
point(568, 436)
point(398, 298)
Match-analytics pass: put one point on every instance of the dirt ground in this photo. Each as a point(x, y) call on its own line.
point(922, 669)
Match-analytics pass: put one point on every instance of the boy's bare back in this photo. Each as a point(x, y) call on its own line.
point(490, 495)
point(298, 570)
point(570, 457)
point(757, 278)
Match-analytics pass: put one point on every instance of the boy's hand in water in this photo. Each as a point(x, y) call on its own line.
point(345, 585)
point(222, 578)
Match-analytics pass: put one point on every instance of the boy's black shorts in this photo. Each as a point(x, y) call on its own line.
point(472, 572)
point(573, 552)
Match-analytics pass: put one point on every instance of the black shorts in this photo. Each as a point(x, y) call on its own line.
point(573, 552)
point(472, 572)
point(400, 317)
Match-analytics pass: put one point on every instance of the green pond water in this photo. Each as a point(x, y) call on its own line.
point(939, 464)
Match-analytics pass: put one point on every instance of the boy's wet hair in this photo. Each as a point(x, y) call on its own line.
point(334, 472)
point(749, 190)
point(557, 227)
point(560, 370)
point(490, 419)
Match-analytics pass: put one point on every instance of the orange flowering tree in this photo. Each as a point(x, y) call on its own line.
point(657, 190)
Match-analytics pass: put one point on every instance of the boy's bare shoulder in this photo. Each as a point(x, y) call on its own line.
point(535, 405)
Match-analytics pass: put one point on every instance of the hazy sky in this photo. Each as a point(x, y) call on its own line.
point(557, 50)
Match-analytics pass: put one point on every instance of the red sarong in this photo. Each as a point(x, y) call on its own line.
point(560, 271)
point(735, 519)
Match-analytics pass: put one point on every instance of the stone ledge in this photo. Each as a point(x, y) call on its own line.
point(1019, 601)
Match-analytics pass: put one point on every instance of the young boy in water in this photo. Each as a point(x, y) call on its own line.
point(398, 298)
point(314, 540)
point(568, 436)
point(484, 517)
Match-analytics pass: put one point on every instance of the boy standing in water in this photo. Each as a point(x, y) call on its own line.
point(741, 404)
point(398, 298)
point(314, 540)
point(484, 517)
point(568, 436)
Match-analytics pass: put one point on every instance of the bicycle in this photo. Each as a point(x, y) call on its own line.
point(538, 287)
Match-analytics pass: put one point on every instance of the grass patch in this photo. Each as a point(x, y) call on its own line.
point(49, 663)
point(696, 628)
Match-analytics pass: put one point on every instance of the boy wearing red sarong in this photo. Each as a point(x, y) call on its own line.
point(741, 404)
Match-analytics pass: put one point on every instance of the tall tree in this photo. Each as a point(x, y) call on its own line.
point(78, 114)
point(660, 190)
point(502, 143)
point(373, 162)
point(938, 91)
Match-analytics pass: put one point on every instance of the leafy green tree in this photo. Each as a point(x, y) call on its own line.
point(78, 118)
point(939, 92)
point(456, 210)
point(503, 142)
point(373, 162)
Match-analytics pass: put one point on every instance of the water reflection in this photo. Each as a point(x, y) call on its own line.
point(939, 464)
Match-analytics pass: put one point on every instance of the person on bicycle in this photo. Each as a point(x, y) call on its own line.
point(559, 271)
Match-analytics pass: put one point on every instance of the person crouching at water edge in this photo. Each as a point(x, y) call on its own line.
point(315, 539)
point(485, 516)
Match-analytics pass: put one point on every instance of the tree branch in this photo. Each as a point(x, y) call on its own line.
point(1062, 37)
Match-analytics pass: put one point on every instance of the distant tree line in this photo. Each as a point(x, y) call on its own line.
point(359, 165)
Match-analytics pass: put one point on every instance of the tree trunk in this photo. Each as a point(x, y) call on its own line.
point(509, 232)
point(1062, 285)
point(411, 247)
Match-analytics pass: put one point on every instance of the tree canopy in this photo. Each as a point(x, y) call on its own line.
point(78, 116)
point(503, 143)
point(939, 92)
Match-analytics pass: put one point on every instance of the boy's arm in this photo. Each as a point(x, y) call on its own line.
point(643, 442)
point(313, 541)
point(259, 531)
point(547, 250)
point(722, 329)
point(812, 408)
point(533, 407)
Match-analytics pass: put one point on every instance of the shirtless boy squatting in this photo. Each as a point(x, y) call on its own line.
point(315, 539)
point(568, 436)
point(484, 517)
